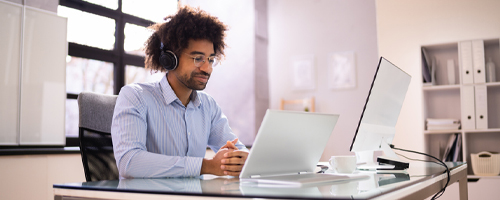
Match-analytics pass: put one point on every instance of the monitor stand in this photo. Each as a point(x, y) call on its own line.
point(388, 162)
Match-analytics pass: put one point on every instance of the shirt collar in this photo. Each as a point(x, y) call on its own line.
point(195, 99)
point(170, 96)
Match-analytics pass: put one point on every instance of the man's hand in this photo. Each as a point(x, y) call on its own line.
point(233, 162)
point(213, 166)
point(227, 161)
point(230, 145)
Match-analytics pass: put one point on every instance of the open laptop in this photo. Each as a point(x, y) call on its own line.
point(288, 147)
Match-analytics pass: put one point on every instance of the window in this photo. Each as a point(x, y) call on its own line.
point(135, 36)
point(154, 10)
point(79, 23)
point(135, 74)
point(105, 47)
point(88, 75)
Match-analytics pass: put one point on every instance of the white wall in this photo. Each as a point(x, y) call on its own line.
point(404, 26)
point(320, 27)
point(233, 83)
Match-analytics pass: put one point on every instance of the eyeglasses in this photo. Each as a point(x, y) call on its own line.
point(199, 60)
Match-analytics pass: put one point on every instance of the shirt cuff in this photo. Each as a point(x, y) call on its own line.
point(193, 166)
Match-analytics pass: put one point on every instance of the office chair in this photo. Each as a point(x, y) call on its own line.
point(96, 113)
point(308, 103)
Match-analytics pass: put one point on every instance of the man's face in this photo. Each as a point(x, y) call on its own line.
point(187, 72)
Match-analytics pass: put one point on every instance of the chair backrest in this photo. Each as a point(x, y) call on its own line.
point(96, 114)
point(308, 104)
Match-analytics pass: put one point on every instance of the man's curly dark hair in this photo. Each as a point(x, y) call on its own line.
point(188, 23)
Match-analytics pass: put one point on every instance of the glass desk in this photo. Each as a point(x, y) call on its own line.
point(420, 181)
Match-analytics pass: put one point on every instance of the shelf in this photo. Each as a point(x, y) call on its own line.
point(492, 130)
point(442, 87)
point(487, 177)
point(454, 87)
point(494, 84)
point(427, 132)
point(463, 100)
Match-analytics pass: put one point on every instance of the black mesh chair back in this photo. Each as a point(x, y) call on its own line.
point(96, 146)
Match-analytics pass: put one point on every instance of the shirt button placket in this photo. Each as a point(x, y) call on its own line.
point(188, 132)
point(186, 118)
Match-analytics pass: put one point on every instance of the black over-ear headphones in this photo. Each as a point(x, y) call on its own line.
point(168, 60)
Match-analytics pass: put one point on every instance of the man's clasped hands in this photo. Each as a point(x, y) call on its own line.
point(228, 160)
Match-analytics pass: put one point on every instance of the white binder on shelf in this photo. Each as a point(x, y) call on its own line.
point(481, 106)
point(478, 61)
point(465, 56)
point(467, 103)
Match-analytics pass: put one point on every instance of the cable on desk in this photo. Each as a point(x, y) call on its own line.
point(441, 192)
point(418, 159)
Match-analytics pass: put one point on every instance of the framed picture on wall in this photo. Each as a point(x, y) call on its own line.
point(304, 72)
point(342, 70)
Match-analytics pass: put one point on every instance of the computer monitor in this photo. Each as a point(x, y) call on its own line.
point(377, 125)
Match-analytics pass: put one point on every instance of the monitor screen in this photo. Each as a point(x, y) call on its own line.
point(383, 105)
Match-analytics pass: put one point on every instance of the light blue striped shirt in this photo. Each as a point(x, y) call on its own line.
point(154, 135)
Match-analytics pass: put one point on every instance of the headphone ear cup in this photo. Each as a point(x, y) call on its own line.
point(168, 60)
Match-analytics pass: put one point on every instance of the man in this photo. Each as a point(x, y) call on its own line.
point(162, 129)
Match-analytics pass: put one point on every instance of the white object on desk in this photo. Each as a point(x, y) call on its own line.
point(377, 125)
point(343, 164)
point(301, 180)
point(307, 133)
point(345, 189)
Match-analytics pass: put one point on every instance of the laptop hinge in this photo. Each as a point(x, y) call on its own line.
point(304, 172)
point(255, 176)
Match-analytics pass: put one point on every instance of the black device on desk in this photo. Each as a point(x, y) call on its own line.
point(398, 165)
point(377, 125)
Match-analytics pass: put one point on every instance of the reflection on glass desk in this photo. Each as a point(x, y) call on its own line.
point(376, 185)
point(389, 178)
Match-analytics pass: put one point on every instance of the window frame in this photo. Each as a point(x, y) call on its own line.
point(117, 56)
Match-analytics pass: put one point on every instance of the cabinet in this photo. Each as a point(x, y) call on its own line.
point(10, 55)
point(471, 99)
point(33, 49)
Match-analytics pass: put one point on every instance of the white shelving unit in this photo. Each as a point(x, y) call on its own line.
point(33, 49)
point(443, 100)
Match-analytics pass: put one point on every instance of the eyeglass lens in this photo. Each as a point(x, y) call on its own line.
point(200, 60)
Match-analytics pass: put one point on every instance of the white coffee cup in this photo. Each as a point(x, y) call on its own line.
point(343, 164)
